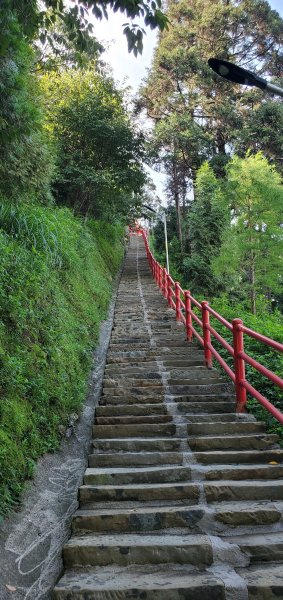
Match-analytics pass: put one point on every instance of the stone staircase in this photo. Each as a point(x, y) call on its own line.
point(183, 498)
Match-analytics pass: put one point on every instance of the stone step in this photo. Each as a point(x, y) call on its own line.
point(243, 490)
point(156, 582)
point(135, 430)
point(127, 549)
point(155, 518)
point(129, 420)
point(112, 399)
point(121, 384)
point(139, 519)
point(263, 582)
point(219, 418)
point(158, 474)
point(208, 407)
point(137, 367)
point(129, 393)
point(137, 444)
point(195, 379)
point(200, 398)
point(135, 459)
point(131, 409)
point(202, 389)
point(239, 513)
point(267, 547)
point(243, 456)
point(233, 442)
point(139, 492)
point(246, 472)
point(225, 427)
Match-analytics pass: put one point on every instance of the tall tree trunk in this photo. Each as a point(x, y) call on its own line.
point(177, 205)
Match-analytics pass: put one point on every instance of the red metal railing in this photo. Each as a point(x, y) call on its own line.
point(184, 305)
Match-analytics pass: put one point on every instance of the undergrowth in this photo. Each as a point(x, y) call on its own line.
point(267, 323)
point(56, 273)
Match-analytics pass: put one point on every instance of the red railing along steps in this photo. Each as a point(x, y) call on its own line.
point(182, 302)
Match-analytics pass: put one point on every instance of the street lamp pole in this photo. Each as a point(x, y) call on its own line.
point(165, 232)
point(166, 242)
point(232, 72)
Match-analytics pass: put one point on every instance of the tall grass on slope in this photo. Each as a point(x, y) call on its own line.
point(56, 275)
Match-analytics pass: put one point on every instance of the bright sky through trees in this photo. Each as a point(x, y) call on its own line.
point(131, 70)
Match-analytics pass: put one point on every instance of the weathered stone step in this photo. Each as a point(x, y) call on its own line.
point(243, 490)
point(127, 393)
point(263, 582)
point(219, 418)
point(242, 456)
point(171, 365)
point(248, 513)
point(200, 398)
point(158, 474)
point(132, 374)
point(260, 547)
point(202, 389)
point(127, 400)
point(145, 518)
point(246, 472)
point(225, 427)
point(129, 420)
point(233, 442)
point(208, 407)
point(156, 582)
point(126, 549)
point(135, 459)
point(131, 409)
point(124, 358)
point(195, 379)
point(135, 430)
point(122, 383)
point(140, 492)
point(138, 444)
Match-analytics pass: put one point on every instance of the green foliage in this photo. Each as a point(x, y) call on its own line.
point(270, 325)
point(26, 164)
point(56, 274)
point(76, 21)
point(99, 154)
point(251, 253)
point(206, 220)
point(196, 114)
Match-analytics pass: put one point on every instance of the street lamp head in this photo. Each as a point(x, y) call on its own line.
point(232, 72)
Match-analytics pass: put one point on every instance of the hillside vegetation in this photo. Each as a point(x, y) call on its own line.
point(57, 276)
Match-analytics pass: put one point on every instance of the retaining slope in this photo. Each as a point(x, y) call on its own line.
point(183, 498)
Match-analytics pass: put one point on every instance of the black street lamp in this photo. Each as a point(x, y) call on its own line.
point(232, 72)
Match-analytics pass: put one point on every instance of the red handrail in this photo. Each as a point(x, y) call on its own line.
point(182, 301)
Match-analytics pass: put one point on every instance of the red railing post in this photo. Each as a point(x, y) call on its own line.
point(239, 363)
point(165, 282)
point(159, 279)
point(188, 309)
point(206, 334)
point(169, 291)
point(177, 301)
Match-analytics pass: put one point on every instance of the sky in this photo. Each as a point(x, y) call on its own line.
point(130, 70)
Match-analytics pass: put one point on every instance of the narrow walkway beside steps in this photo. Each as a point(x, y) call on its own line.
point(181, 499)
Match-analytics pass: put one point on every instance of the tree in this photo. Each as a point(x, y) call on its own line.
point(26, 164)
point(33, 18)
point(251, 256)
point(99, 154)
point(182, 95)
point(208, 218)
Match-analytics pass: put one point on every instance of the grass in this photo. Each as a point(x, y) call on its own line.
point(56, 274)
